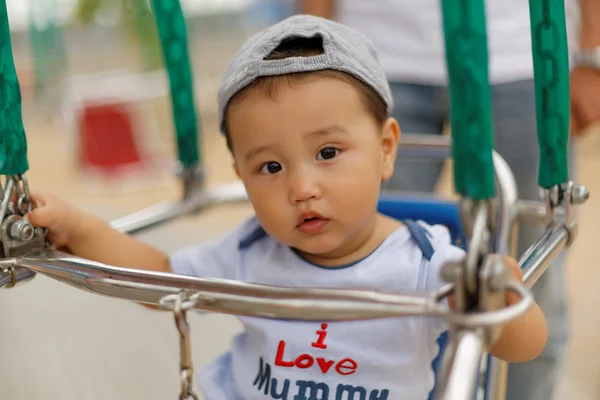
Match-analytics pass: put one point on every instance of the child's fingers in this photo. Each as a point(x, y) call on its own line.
point(42, 199)
point(41, 217)
point(58, 239)
point(38, 199)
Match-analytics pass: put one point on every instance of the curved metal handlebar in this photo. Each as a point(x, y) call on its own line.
point(226, 296)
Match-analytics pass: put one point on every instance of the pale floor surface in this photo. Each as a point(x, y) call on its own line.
point(60, 343)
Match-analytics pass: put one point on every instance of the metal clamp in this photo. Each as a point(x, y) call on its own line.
point(560, 201)
point(481, 278)
point(477, 218)
point(192, 178)
point(489, 319)
point(17, 235)
point(179, 304)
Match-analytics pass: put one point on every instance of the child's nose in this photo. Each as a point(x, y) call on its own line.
point(304, 186)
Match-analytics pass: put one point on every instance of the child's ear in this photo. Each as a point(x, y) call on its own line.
point(390, 137)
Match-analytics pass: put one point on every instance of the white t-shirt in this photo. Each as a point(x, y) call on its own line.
point(366, 360)
point(409, 36)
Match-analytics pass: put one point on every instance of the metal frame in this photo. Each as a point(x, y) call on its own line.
point(561, 230)
point(464, 358)
point(461, 368)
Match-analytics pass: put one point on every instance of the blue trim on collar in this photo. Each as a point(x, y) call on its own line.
point(254, 236)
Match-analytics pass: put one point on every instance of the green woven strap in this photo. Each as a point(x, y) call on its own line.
point(173, 36)
point(551, 67)
point(471, 120)
point(13, 143)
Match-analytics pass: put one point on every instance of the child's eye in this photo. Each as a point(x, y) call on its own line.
point(327, 153)
point(270, 168)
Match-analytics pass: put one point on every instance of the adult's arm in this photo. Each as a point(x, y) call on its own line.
point(319, 8)
point(590, 24)
point(585, 81)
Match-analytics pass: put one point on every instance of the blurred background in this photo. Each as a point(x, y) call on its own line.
point(91, 76)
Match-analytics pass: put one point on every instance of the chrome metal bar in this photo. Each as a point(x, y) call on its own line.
point(530, 211)
point(505, 243)
point(459, 375)
point(536, 260)
point(233, 297)
point(439, 147)
point(164, 212)
point(507, 196)
point(424, 146)
point(433, 146)
point(498, 374)
point(241, 298)
point(12, 276)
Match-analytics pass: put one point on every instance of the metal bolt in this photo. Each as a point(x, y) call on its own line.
point(450, 272)
point(579, 194)
point(21, 230)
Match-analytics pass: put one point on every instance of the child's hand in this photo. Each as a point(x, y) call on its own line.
point(92, 238)
point(62, 220)
point(523, 338)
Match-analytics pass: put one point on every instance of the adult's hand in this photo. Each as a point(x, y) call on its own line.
point(585, 99)
point(585, 81)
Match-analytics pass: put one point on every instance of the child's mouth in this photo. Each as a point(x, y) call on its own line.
point(311, 223)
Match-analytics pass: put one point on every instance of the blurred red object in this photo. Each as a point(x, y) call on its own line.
point(107, 140)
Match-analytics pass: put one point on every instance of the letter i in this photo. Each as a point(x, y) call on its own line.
point(322, 334)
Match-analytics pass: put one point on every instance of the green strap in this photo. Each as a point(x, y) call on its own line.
point(551, 68)
point(172, 32)
point(13, 143)
point(470, 117)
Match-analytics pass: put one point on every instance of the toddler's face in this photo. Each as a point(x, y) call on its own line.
point(312, 160)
